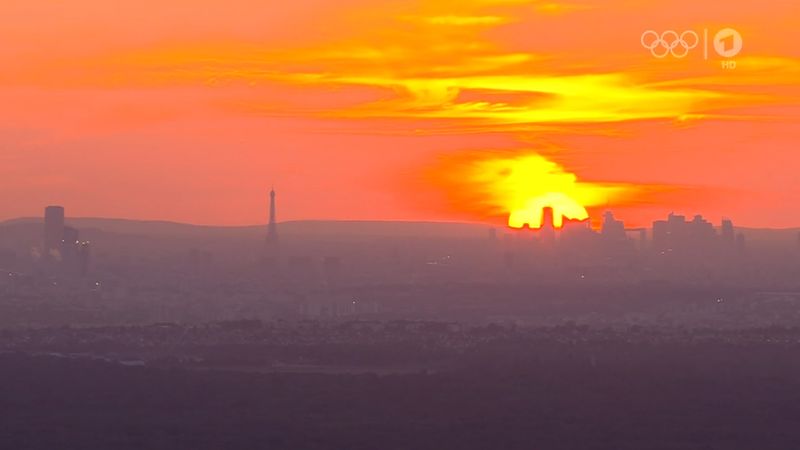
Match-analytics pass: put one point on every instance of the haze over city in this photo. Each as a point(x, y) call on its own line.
point(399, 224)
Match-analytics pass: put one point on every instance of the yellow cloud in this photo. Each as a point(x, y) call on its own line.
point(465, 20)
point(582, 98)
point(518, 186)
point(434, 64)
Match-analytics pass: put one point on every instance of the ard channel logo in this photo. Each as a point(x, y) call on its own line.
point(727, 43)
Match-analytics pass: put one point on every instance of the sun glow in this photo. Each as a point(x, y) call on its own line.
point(519, 187)
point(563, 206)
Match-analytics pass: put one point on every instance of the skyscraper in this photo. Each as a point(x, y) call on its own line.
point(728, 234)
point(548, 218)
point(53, 228)
point(547, 232)
point(613, 229)
point(272, 228)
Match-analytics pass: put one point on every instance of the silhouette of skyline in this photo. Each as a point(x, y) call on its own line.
point(502, 224)
point(670, 245)
point(53, 228)
point(368, 300)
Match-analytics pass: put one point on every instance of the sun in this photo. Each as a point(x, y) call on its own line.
point(563, 207)
point(526, 185)
point(520, 186)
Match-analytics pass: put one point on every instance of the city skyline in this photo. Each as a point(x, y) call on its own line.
point(399, 224)
point(55, 220)
point(611, 228)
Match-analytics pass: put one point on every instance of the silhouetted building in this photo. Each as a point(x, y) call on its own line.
point(689, 242)
point(577, 239)
point(612, 229)
point(702, 230)
point(547, 230)
point(64, 253)
point(53, 229)
point(678, 234)
point(642, 238)
point(727, 233)
point(660, 235)
point(570, 225)
point(272, 228)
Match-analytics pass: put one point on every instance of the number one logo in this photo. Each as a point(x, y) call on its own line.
point(728, 43)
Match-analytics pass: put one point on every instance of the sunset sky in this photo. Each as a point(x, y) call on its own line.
point(190, 110)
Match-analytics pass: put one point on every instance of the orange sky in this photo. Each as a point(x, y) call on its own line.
point(189, 110)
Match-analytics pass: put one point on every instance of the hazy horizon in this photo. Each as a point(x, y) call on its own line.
point(399, 224)
point(497, 225)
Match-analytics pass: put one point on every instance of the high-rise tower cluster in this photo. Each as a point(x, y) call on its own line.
point(62, 246)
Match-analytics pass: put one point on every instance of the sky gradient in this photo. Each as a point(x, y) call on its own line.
point(375, 109)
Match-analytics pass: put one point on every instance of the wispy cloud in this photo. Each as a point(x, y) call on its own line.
point(463, 20)
point(458, 74)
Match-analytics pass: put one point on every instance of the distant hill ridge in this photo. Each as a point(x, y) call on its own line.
point(363, 228)
point(299, 227)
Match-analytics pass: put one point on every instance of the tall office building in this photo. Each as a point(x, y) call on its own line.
point(728, 233)
point(548, 218)
point(696, 236)
point(612, 229)
point(53, 228)
point(547, 231)
point(272, 228)
point(660, 235)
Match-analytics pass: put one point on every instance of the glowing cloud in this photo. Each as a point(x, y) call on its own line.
point(464, 20)
point(355, 93)
point(521, 186)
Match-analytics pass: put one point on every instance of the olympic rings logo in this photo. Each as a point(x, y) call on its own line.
point(669, 42)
